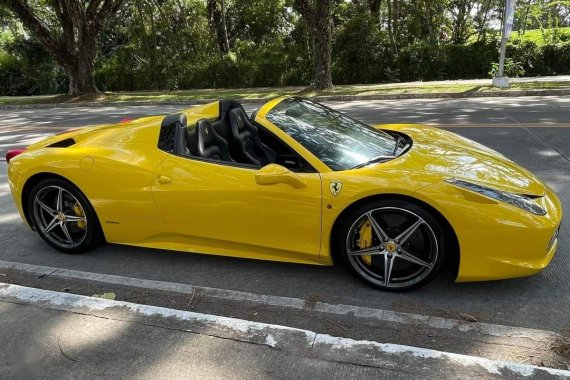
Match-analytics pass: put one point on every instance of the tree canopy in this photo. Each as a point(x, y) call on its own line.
point(67, 29)
point(79, 46)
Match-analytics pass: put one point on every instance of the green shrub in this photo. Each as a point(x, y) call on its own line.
point(360, 54)
point(12, 79)
point(469, 61)
point(512, 69)
point(541, 60)
point(26, 69)
point(556, 58)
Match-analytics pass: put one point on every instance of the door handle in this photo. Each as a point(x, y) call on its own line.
point(163, 180)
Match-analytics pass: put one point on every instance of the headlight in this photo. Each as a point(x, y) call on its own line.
point(523, 202)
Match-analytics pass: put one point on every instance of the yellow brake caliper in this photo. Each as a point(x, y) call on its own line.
point(365, 240)
point(79, 212)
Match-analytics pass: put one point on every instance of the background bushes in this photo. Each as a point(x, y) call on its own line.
point(171, 44)
point(422, 62)
point(353, 62)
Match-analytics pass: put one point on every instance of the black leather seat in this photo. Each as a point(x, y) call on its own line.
point(247, 136)
point(209, 144)
point(173, 134)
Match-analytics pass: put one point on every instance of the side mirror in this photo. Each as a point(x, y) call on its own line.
point(273, 174)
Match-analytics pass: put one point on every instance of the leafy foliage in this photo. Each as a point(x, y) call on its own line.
point(173, 44)
point(512, 68)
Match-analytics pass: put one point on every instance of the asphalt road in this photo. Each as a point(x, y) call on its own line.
point(533, 131)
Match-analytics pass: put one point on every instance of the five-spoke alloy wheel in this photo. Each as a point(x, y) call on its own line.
point(63, 217)
point(392, 245)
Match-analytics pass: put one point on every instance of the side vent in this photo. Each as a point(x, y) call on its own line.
point(62, 144)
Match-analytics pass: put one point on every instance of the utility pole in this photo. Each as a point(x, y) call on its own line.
point(508, 16)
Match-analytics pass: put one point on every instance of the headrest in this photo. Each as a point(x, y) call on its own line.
point(226, 105)
point(170, 127)
point(171, 120)
point(238, 117)
point(205, 131)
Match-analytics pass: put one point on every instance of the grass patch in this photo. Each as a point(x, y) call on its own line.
point(540, 86)
point(40, 99)
point(540, 37)
point(268, 92)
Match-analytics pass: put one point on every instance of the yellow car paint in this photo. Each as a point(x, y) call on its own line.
point(146, 197)
point(222, 209)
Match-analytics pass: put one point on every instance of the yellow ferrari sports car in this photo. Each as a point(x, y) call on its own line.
point(295, 182)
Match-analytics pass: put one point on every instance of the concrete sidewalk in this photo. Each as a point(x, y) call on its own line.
point(60, 335)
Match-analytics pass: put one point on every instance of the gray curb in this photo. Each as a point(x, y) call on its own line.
point(323, 98)
point(485, 329)
point(408, 359)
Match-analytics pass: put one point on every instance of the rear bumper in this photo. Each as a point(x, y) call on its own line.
point(16, 183)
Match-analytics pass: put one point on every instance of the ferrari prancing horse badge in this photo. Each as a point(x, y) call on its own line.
point(335, 187)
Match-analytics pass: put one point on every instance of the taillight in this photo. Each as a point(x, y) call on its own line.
point(13, 153)
point(126, 120)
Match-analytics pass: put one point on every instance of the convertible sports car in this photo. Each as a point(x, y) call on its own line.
point(296, 182)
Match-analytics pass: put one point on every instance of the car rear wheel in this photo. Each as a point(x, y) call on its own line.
point(392, 244)
point(63, 216)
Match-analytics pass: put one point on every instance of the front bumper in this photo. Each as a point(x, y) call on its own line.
point(496, 240)
point(524, 250)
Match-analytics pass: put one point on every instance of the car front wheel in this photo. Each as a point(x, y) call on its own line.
point(63, 216)
point(392, 244)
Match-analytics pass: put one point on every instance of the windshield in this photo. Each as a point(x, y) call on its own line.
point(336, 139)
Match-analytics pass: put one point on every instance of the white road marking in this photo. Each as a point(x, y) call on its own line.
point(489, 329)
point(249, 331)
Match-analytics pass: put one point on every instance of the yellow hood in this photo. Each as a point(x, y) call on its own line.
point(452, 156)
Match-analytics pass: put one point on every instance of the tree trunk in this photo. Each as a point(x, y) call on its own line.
point(391, 26)
point(80, 75)
point(217, 19)
point(80, 69)
point(431, 38)
point(322, 78)
point(81, 80)
point(525, 19)
point(374, 7)
point(318, 18)
point(224, 27)
point(483, 19)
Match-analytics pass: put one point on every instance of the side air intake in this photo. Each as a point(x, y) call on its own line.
point(62, 144)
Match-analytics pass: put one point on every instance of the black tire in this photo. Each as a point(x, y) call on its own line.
point(81, 234)
point(417, 259)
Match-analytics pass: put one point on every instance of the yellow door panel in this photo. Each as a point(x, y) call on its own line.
point(224, 209)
